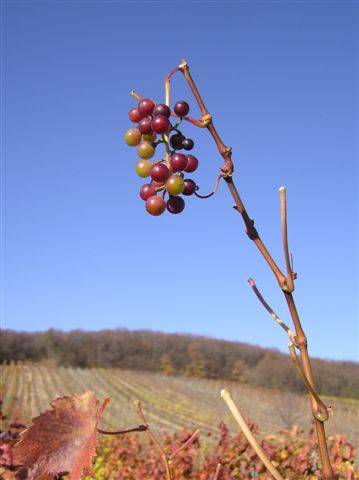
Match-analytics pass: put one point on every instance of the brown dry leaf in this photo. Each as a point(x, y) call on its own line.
point(61, 440)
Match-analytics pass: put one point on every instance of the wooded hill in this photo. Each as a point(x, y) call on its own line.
point(177, 354)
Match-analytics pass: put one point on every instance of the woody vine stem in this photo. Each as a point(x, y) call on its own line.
point(298, 339)
point(286, 282)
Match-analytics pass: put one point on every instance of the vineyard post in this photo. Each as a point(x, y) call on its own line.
point(286, 282)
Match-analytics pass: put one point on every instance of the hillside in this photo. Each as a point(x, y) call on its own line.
point(175, 354)
point(171, 403)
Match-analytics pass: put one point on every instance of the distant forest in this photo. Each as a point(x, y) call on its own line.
point(177, 354)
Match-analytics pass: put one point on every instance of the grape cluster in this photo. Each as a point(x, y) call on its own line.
point(167, 176)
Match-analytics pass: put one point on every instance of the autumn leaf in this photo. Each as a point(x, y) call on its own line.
point(61, 440)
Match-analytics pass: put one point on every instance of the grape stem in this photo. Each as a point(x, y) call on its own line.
point(202, 123)
point(286, 282)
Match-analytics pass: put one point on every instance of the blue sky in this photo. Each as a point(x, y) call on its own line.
point(79, 251)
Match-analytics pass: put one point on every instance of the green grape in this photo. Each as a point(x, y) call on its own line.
point(143, 168)
point(145, 149)
point(132, 137)
point(175, 185)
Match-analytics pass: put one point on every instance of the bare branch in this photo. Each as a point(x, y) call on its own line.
point(249, 435)
point(217, 471)
point(186, 443)
point(322, 411)
point(227, 171)
point(140, 428)
point(272, 313)
point(283, 220)
point(154, 440)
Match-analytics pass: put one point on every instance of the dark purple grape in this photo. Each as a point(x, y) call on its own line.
point(161, 109)
point(181, 108)
point(145, 126)
point(189, 187)
point(175, 204)
point(192, 163)
point(176, 141)
point(187, 144)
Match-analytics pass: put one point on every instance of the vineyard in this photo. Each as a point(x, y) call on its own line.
point(175, 407)
point(172, 403)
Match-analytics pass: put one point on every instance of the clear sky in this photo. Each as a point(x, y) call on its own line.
point(79, 251)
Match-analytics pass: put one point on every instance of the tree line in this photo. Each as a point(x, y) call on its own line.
point(177, 354)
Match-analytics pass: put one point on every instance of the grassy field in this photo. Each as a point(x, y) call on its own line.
point(171, 403)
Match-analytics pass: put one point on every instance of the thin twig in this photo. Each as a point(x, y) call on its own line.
point(154, 440)
point(186, 443)
point(167, 102)
point(272, 313)
point(322, 411)
point(283, 221)
point(217, 471)
point(136, 95)
point(140, 428)
point(249, 435)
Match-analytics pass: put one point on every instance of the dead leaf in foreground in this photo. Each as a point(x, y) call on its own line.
point(61, 440)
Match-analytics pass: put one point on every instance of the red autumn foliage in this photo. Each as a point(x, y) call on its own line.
point(130, 457)
point(62, 439)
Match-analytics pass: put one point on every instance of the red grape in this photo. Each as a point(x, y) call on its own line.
point(192, 163)
point(176, 141)
point(161, 109)
point(178, 162)
point(155, 205)
point(147, 190)
point(132, 137)
point(189, 187)
point(146, 106)
point(175, 204)
point(135, 115)
point(160, 124)
point(175, 185)
point(160, 172)
point(187, 143)
point(181, 108)
point(145, 126)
